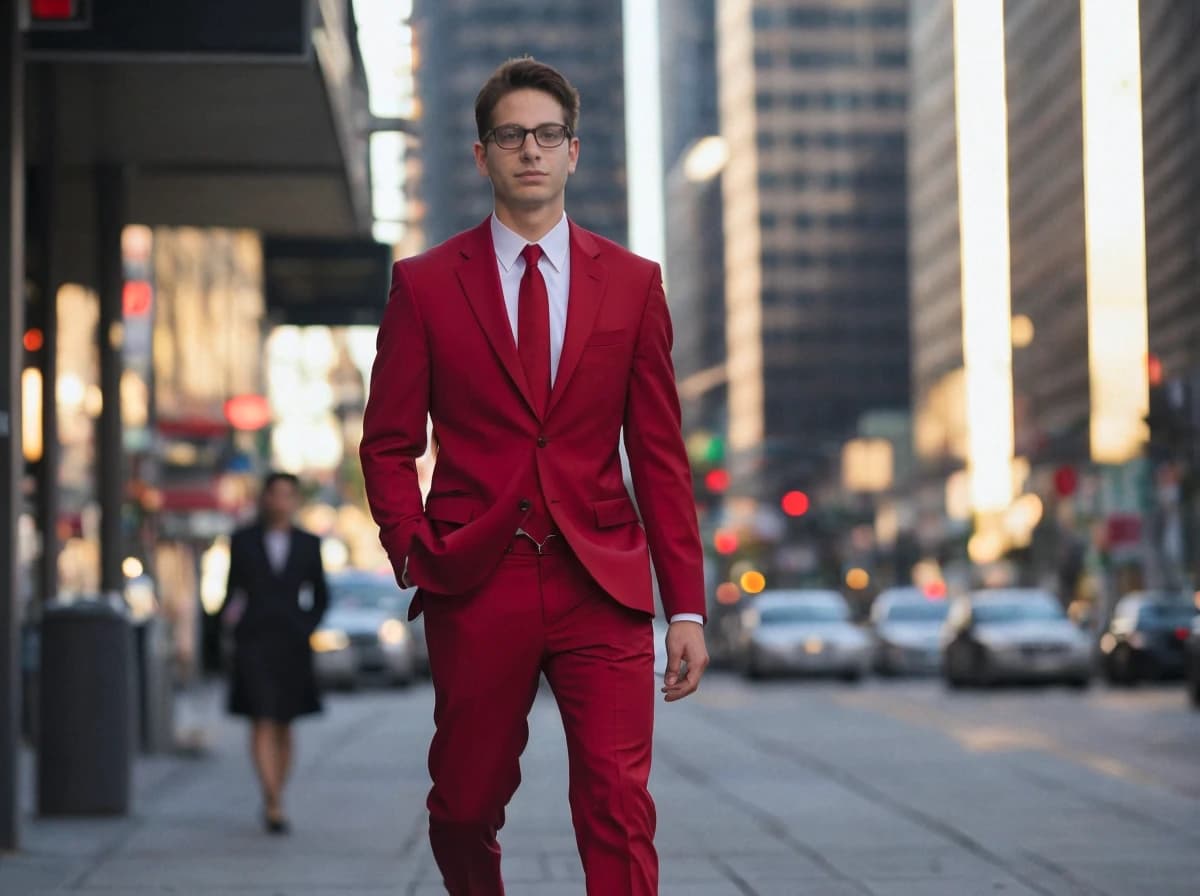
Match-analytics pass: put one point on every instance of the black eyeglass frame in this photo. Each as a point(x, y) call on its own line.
point(568, 134)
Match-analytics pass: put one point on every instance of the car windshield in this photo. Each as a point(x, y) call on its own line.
point(800, 612)
point(1008, 612)
point(1166, 615)
point(926, 611)
point(367, 596)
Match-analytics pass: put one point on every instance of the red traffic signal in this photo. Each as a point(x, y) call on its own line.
point(716, 480)
point(795, 503)
point(725, 541)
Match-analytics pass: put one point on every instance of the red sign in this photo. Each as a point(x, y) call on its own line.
point(1123, 530)
point(248, 412)
point(52, 10)
point(137, 298)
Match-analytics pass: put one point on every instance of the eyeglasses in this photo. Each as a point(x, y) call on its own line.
point(512, 136)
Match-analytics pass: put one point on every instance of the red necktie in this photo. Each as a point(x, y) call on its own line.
point(533, 328)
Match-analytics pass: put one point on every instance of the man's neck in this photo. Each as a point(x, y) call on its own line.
point(532, 224)
point(278, 525)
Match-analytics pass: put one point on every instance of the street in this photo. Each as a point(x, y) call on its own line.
point(774, 789)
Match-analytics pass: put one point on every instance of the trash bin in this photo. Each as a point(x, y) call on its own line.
point(86, 718)
point(156, 686)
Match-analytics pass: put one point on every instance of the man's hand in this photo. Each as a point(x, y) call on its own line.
point(687, 658)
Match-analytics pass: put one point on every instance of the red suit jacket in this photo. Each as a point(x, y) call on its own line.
point(446, 349)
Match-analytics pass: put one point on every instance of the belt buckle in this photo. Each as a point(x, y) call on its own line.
point(541, 545)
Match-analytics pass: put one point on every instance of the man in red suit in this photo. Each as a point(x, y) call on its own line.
point(532, 344)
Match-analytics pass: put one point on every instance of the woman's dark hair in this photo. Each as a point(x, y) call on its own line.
point(525, 73)
point(279, 476)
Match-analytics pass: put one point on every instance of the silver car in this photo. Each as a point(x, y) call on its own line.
point(907, 625)
point(804, 631)
point(364, 634)
point(1012, 635)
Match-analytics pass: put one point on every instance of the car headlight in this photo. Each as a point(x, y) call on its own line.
point(393, 632)
point(327, 640)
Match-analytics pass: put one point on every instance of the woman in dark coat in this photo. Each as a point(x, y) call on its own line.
point(275, 599)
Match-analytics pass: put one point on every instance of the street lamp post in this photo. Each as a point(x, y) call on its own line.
point(12, 282)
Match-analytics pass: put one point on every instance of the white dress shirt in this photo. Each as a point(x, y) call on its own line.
point(555, 266)
point(277, 543)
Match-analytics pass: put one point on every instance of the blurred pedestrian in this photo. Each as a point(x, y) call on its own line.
point(275, 599)
point(531, 342)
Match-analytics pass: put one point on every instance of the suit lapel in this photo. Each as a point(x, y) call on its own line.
point(588, 279)
point(480, 281)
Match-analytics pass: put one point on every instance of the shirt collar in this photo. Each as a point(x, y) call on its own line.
point(509, 244)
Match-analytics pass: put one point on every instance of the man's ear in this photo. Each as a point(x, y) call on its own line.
point(480, 151)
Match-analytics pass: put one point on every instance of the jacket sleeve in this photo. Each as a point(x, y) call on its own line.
point(394, 422)
point(662, 478)
point(320, 590)
point(237, 597)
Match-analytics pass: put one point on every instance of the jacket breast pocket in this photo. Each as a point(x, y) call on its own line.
point(603, 338)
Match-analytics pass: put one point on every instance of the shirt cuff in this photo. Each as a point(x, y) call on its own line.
point(688, 617)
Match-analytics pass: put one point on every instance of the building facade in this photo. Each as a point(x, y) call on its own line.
point(813, 104)
point(694, 236)
point(459, 44)
point(1052, 383)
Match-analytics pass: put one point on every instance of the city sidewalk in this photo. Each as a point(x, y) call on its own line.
point(357, 808)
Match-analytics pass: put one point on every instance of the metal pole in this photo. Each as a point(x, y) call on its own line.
point(110, 219)
point(12, 291)
point(47, 486)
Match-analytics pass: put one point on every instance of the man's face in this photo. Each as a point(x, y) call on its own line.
point(281, 501)
point(530, 176)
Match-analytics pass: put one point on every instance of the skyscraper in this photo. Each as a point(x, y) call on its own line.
point(459, 44)
point(694, 236)
point(813, 99)
point(1043, 55)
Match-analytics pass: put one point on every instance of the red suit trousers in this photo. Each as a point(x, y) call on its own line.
point(541, 614)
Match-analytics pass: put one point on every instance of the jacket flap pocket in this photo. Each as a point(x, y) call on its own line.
point(608, 337)
point(451, 508)
point(614, 512)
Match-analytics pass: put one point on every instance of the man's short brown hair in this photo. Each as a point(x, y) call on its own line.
point(525, 73)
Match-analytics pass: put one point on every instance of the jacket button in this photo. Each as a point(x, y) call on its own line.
point(541, 441)
point(524, 506)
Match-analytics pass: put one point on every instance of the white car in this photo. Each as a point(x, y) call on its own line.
point(364, 634)
point(1012, 635)
point(907, 624)
point(805, 631)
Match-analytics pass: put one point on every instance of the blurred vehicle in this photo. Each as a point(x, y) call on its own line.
point(1013, 635)
point(1147, 636)
point(1192, 663)
point(364, 634)
point(802, 631)
point(907, 627)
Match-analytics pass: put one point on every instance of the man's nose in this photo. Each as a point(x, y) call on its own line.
point(530, 148)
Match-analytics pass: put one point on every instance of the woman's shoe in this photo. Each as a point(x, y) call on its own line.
point(276, 825)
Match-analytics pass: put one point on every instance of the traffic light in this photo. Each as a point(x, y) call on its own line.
point(795, 503)
point(1169, 423)
point(717, 481)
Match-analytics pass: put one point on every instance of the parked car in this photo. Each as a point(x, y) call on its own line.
point(1192, 663)
point(1013, 635)
point(802, 631)
point(907, 626)
point(1147, 636)
point(364, 634)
